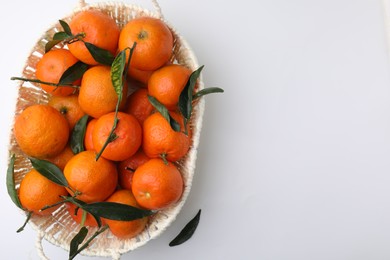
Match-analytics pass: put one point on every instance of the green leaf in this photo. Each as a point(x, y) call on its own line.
point(116, 211)
point(165, 113)
point(50, 171)
point(78, 134)
point(66, 27)
point(74, 72)
point(11, 183)
point(187, 232)
point(117, 68)
point(50, 44)
point(206, 91)
point(86, 244)
point(60, 36)
point(100, 55)
point(185, 99)
point(76, 242)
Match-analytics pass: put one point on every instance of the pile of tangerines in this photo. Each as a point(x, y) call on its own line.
point(113, 130)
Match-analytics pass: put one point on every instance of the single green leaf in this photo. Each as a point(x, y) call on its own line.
point(66, 27)
point(116, 211)
point(57, 38)
point(100, 55)
point(165, 113)
point(117, 68)
point(74, 72)
point(86, 244)
point(206, 91)
point(187, 232)
point(60, 36)
point(185, 99)
point(78, 134)
point(50, 171)
point(11, 183)
point(76, 242)
point(50, 44)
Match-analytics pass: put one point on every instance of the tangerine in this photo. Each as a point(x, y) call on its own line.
point(41, 131)
point(167, 83)
point(93, 180)
point(69, 107)
point(127, 167)
point(97, 28)
point(160, 140)
point(138, 105)
point(51, 67)
point(154, 42)
point(127, 136)
point(125, 229)
point(37, 192)
point(88, 143)
point(157, 185)
point(97, 95)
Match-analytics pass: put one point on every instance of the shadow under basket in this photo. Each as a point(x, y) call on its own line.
point(59, 228)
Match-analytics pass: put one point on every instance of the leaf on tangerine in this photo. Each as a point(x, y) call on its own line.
point(74, 72)
point(78, 134)
point(165, 113)
point(50, 171)
point(116, 211)
point(100, 55)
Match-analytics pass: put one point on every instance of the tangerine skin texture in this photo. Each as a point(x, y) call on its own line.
point(95, 180)
point(100, 30)
point(41, 131)
point(159, 139)
point(36, 192)
point(128, 134)
point(157, 185)
point(154, 42)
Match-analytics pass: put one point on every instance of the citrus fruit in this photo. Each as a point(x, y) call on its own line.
point(50, 69)
point(166, 84)
point(125, 229)
point(94, 180)
point(88, 143)
point(138, 105)
point(154, 42)
point(61, 159)
point(157, 185)
point(97, 95)
point(36, 192)
point(69, 107)
point(127, 136)
point(98, 29)
point(127, 167)
point(160, 140)
point(41, 131)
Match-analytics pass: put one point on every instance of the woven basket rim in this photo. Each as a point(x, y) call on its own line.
point(43, 225)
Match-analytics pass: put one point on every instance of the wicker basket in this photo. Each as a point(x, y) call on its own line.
point(59, 228)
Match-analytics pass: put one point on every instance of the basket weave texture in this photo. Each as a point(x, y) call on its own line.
point(59, 228)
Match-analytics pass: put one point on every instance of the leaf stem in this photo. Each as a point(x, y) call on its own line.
point(29, 214)
point(46, 83)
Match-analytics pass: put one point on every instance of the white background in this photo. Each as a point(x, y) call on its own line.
point(294, 157)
